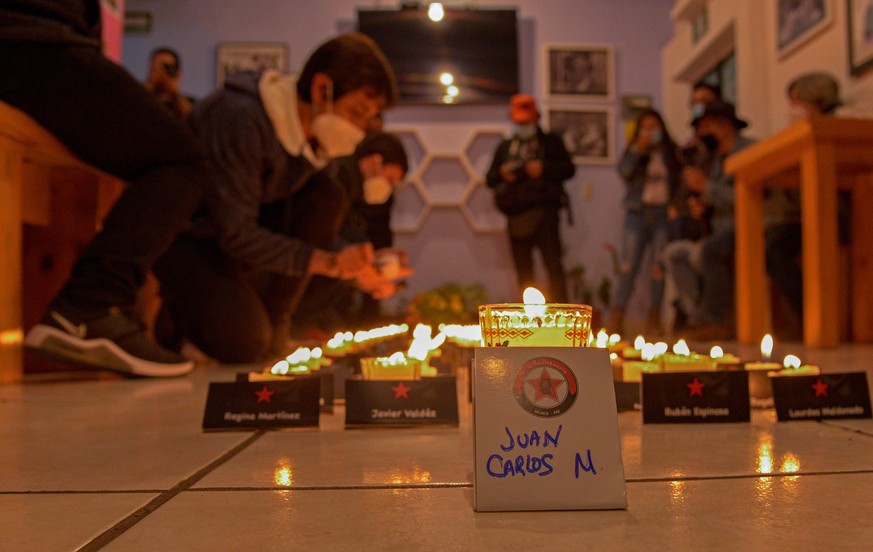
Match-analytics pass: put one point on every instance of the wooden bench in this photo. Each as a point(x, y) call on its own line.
point(52, 204)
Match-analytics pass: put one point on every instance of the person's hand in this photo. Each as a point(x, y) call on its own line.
point(354, 258)
point(697, 207)
point(371, 281)
point(534, 168)
point(694, 178)
point(643, 142)
point(507, 172)
point(393, 263)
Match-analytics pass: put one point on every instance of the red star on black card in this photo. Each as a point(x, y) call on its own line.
point(820, 388)
point(545, 386)
point(695, 387)
point(401, 390)
point(265, 395)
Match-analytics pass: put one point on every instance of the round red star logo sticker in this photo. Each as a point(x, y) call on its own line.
point(545, 387)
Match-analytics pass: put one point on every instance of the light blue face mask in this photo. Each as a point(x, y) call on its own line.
point(697, 110)
point(526, 132)
point(657, 136)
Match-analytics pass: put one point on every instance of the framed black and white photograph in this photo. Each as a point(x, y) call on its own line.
point(860, 35)
point(249, 56)
point(580, 72)
point(799, 21)
point(588, 133)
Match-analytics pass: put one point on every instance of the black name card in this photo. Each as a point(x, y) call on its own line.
point(824, 397)
point(627, 395)
point(695, 397)
point(428, 401)
point(262, 405)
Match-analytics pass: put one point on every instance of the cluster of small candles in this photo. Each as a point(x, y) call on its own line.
point(533, 322)
point(630, 362)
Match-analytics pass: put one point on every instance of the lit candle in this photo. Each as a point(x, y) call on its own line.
point(760, 390)
point(396, 367)
point(793, 367)
point(535, 323)
point(722, 360)
point(632, 370)
point(766, 351)
point(683, 360)
point(635, 351)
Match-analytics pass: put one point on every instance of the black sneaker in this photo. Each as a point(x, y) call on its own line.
point(112, 341)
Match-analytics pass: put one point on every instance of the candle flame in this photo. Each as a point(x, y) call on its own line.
point(767, 346)
point(660, 348)
point(791, 361)
point(639, 342)
point(681, 348)
point(533, 296)
point(716, 352)
point(614, 339)
point(602, 339)
point(648, 352)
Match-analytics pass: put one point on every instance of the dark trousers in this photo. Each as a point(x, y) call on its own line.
point(717, 299)
point(236, 314)
point(783, 246)
point(110, 121)
point(547, 239)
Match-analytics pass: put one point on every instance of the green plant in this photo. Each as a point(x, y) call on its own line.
point(449, 303)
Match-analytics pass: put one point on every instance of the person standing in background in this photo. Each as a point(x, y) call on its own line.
point(527, 175)
point(651, 170)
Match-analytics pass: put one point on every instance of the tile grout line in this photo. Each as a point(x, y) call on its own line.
point(141, 513)
point(833, 424)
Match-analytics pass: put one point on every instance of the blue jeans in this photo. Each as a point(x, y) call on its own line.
point(717, 301)
point(684, 265)
point(642, 229)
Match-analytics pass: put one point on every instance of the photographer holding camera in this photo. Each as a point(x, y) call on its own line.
point(527, 176)
point(164, 77)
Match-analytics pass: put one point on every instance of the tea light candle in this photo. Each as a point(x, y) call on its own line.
point(635, 351)
point(632, 370)
point(765, 363)
point(396, 367)
point(793, 367)
point(535, 323)
point(760, 390)
point(683, 360)
point(722, 360)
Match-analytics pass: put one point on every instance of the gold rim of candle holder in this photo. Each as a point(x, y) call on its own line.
point(372, 366)
point(499, 329)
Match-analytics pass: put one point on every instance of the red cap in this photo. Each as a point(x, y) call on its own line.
point(523, 109)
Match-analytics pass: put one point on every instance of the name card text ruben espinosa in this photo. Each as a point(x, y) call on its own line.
point(533, 453)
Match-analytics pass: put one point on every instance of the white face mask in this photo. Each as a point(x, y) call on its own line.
point(337, 136)
point(797, 113)
point(377, 190)
point(526, 132)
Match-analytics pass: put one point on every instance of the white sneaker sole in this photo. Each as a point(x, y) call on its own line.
point(99, 353)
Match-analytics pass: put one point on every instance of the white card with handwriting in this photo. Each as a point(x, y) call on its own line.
point(546, 430)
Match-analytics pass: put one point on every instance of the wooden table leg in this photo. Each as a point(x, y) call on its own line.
point(821, 322)
point(11, 332)
point(862, 258)
point(753, 310)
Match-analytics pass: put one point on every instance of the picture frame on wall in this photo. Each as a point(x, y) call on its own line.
point(800, 20)
point(249, 56)
point(588, 133)
point(580, 72)
point(860, 35)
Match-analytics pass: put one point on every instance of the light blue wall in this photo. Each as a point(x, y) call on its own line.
point(445, 248)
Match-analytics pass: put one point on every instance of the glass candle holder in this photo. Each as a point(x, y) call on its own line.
point(525, 325)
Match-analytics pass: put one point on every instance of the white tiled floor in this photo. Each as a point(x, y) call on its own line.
point(123, 465)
